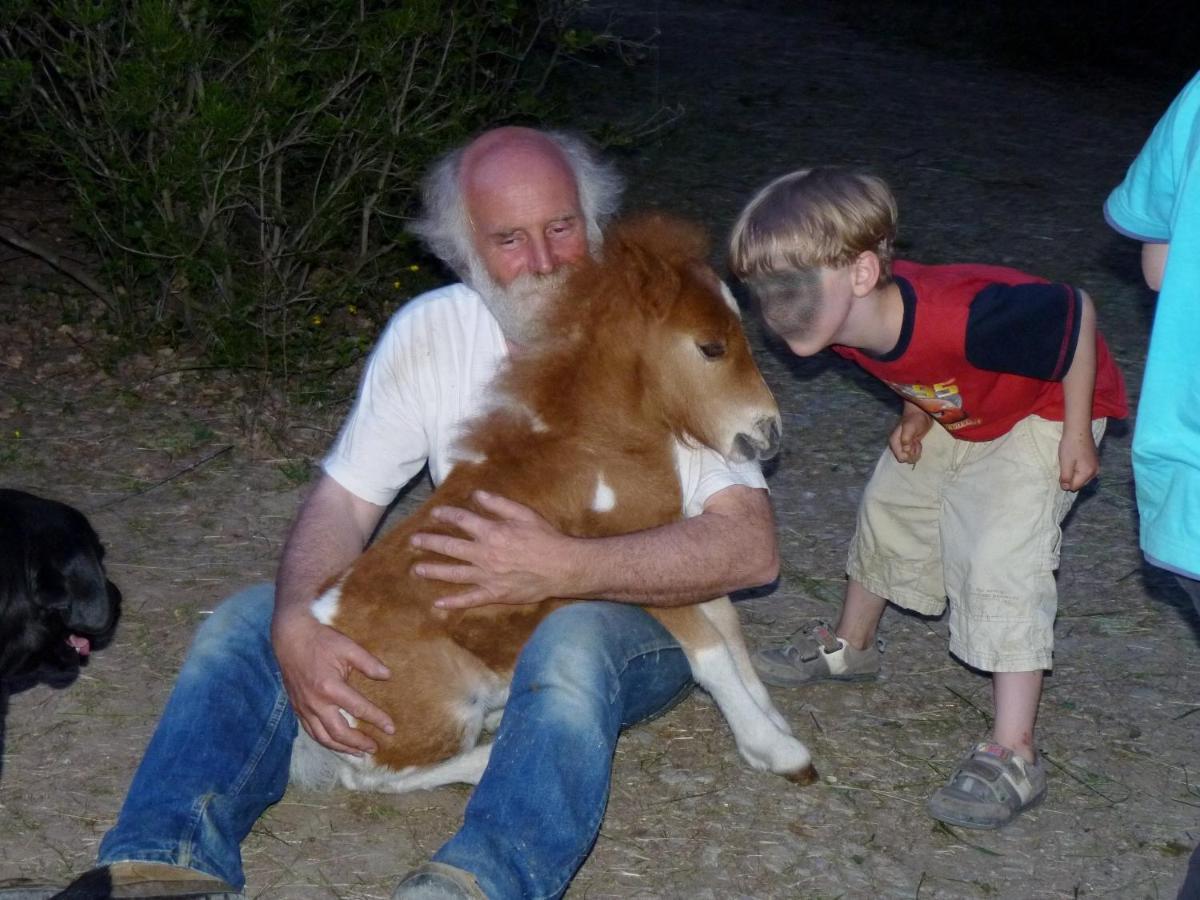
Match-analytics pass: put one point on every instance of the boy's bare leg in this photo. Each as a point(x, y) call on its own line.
point(861, 612)
point(1016, 696)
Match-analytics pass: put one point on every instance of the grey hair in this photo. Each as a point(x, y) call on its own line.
point(445, 226)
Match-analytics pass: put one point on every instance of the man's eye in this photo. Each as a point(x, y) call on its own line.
point(712, 349)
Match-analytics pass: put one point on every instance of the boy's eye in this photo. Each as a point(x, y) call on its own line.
point(712, 349)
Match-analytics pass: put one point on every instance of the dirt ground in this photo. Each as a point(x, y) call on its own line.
point(191, 482)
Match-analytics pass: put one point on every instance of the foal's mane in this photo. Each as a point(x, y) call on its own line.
point(605, 305)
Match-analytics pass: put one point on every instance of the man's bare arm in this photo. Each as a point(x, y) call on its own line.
point(518, 557)
point(330, 531)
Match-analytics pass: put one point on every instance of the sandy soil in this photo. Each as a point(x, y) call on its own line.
point(191, 482)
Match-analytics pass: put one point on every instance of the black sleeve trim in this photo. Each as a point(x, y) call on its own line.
point(1024, 329)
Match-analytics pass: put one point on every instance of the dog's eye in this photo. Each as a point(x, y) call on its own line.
point(712, 349)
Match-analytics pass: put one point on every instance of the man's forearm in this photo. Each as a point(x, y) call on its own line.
point(728, 548)
point(329, 533)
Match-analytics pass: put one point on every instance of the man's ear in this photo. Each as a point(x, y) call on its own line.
point(864, 273)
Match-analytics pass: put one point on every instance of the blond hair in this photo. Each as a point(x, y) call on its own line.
point(816, 217)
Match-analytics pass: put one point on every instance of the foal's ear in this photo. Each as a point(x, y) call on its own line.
point(650, 250)
point(650, 281)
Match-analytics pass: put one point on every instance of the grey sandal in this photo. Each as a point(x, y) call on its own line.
point(990, 788)
point(828, 658)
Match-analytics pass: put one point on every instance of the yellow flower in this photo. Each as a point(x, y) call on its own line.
point(414, 268)
point(316, 320)
point(352, 309)
point(396, 285)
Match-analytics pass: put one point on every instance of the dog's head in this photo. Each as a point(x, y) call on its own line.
point(56, 604)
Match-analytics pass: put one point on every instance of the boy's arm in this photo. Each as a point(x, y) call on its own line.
point(905, 439)
point(1077, 458)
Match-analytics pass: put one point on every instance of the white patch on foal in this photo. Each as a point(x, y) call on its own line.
point(730, 299)
point(605, 498)
point(325, 607)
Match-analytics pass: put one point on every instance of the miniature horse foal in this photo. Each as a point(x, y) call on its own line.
point(645, 349)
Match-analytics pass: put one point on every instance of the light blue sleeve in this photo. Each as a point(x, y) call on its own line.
point(1143, 205)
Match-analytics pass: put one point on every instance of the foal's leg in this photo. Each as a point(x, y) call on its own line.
point(721, 613)
point(762, 743)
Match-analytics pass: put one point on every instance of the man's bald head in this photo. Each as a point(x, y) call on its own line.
point(445, 224)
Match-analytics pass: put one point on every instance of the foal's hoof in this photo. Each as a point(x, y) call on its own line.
point(802, 777)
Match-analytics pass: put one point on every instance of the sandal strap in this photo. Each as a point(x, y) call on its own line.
point(993, 772)
point(827, 639)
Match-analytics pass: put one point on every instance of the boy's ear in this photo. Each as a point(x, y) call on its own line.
point(864, 273)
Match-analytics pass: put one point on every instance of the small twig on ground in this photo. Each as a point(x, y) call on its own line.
point(987, 720)
point(942, 826)
point(48, 256)
point(1114, 801)
point(163, 481)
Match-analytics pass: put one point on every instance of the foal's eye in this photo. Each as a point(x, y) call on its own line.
point(713, 349)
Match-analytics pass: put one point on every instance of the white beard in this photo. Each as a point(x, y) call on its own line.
point(522, 305)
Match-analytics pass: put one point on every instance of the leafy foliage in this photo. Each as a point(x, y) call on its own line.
point(243, 165)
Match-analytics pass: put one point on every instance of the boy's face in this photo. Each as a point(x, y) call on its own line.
point(805, 308)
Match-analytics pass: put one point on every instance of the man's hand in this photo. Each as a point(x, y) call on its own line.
point(516, 557)
point(905, 439)
point(316, 662)
point(1078, 461)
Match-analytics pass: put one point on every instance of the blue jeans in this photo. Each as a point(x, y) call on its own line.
point(220, 754)
point(588, 671)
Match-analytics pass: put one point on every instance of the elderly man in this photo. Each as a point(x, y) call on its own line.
point(510, 213)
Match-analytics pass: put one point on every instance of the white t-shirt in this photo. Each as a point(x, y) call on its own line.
point(427, 376)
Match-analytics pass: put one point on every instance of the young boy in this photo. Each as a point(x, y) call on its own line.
point(1020, 384)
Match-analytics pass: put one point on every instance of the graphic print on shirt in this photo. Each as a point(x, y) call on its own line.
point(941, 400)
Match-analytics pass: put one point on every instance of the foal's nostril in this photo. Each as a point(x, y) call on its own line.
point(744, 448)
point(769, 428)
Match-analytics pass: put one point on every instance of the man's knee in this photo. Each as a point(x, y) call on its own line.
point(580, 653)
point(242, 620)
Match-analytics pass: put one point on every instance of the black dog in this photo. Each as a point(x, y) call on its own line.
point(56, 604)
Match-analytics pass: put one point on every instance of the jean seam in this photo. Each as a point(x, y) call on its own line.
point(189, 841)
point(595, 822)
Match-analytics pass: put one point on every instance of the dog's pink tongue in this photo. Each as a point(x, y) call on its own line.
point(81, 644)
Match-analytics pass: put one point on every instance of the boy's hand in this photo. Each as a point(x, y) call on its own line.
point(1078, 461)
point(905, 439)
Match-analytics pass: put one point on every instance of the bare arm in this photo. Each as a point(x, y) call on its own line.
point(905, 439)
point(518, 557)
point(330, 531)
point(1077, 457)
point(1154, 261)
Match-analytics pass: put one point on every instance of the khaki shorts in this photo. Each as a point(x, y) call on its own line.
point(976, 522)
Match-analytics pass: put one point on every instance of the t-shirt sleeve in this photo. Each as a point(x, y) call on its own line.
point(1024, 329)
point(1141, 206)
point(703, 473)
point(384, 441)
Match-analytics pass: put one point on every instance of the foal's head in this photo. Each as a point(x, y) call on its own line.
point(693, 359)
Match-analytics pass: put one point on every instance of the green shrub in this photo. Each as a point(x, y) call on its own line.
point(242, 165)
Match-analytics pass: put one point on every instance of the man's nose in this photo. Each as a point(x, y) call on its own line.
point(541, 257)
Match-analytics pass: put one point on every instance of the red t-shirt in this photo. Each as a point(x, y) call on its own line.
point(983, 347)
